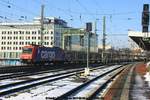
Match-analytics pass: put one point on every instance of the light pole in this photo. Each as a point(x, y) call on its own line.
point(88, 30)
point(104, 40)
point(42, 24)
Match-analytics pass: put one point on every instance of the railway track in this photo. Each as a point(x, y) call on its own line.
point(10, 89)
point(31, 68)
point(6, 89)
point(21, 74)
point(91, 88)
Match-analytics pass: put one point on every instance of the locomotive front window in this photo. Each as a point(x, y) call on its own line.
point(27, 50)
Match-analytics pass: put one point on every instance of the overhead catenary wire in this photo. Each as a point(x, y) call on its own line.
point(14, 16)
point(84, 8)
point(80, 14)
point(18, 7)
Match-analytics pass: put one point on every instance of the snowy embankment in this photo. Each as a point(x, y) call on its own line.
point(147, 75)
point(147, 78)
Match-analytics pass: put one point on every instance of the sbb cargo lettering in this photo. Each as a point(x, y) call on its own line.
point(47, 54)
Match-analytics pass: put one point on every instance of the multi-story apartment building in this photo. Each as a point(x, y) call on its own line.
point(13, 36)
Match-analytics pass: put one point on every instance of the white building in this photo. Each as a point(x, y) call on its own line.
point(13, 36)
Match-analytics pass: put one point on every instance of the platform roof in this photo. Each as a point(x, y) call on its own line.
point(141, 39)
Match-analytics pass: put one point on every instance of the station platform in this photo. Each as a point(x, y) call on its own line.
point(133, 84)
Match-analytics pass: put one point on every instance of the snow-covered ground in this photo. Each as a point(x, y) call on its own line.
point(19, 79)
point(138, 89)
point(147, 75)
point(141, 86)
point(147, 78)
point(53, 89)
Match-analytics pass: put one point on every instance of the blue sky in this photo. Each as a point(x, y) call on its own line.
point(121, 15)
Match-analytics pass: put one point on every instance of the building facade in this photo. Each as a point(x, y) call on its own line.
point(13, 36)
point(76, 40)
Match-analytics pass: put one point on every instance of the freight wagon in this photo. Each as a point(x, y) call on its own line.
point(35, 54)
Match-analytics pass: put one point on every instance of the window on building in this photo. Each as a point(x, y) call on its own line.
point(3, 37)
point(51, 32)
point(4, 32)
point(33, 32)
point(46, 38)
point(39, 32)
point(27, 32)
point(20, 32)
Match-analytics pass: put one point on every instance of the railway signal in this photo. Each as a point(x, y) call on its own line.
point(145, 18)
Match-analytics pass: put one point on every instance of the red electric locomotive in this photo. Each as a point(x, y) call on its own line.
point(36, 54)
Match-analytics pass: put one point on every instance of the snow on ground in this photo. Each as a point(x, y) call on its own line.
point(8, 81)
point(138, 91)
point(147, 78)
point(52, 89)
